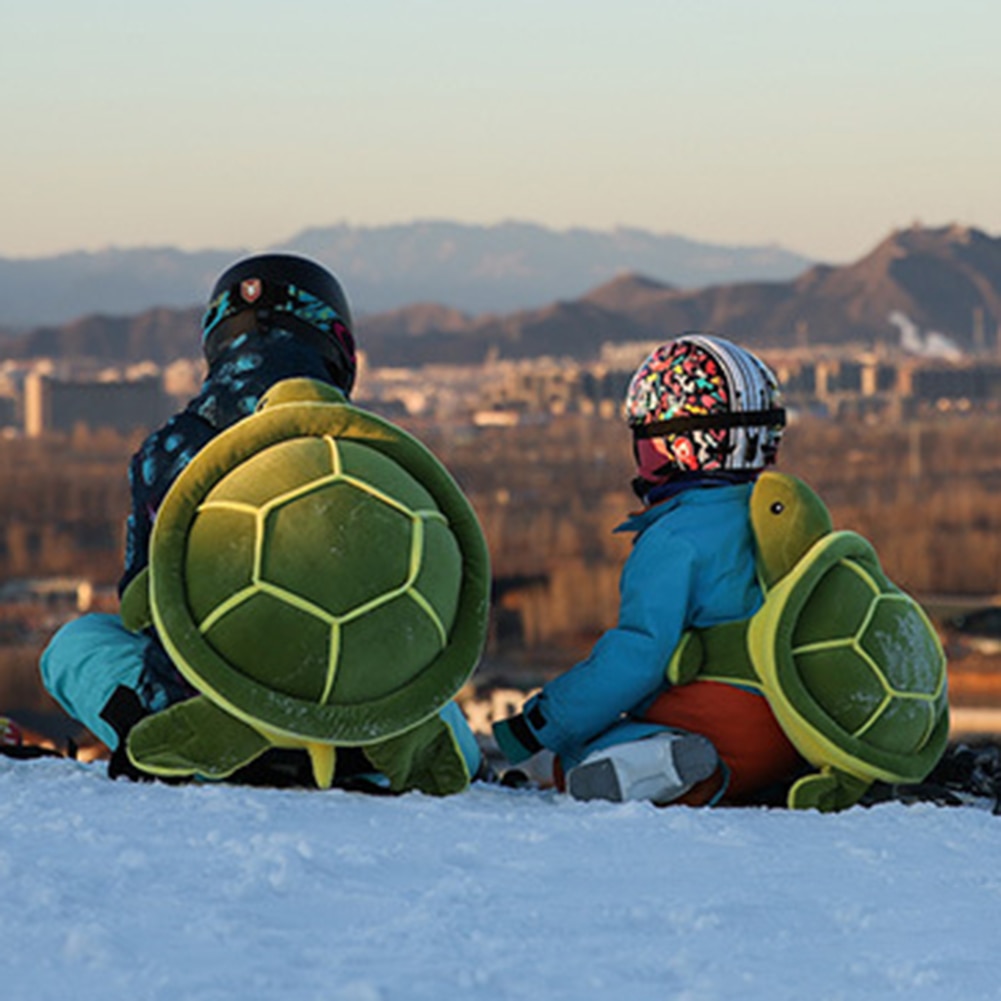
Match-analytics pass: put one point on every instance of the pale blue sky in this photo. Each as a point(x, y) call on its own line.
point(817, 124)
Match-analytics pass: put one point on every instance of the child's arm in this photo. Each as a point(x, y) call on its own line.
point(137, 531)
point(152, 470)
point(627, 664)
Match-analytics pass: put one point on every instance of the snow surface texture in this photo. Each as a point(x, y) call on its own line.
point(205, 893)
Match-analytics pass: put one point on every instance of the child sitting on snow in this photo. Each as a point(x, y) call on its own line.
point(706, 420)
point(271, 317)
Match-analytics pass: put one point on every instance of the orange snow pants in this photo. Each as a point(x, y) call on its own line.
point(743, 730)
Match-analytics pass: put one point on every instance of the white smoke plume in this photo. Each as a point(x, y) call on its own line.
point(930, 345)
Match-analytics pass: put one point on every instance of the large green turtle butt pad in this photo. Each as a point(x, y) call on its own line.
point(850, 664)
point(317, 575)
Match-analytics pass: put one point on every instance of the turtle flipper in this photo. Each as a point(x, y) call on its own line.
point(716, 653)
point(136, 610)
point(194, 737)
point(688, 658)
point(828, 791)
point(425, 758)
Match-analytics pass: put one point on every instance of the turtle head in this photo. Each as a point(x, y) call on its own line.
point(787, 518)
point(301, 391)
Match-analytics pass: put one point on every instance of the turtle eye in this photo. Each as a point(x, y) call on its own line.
point(777, 508)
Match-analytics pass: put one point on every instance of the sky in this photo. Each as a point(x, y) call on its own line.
point(238, 123)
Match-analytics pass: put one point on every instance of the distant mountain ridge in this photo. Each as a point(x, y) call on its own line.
point(158, 335)
point(516, 265)
point(945, 280)
point(474, 269)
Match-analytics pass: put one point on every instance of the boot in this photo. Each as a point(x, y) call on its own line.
point(659, 769)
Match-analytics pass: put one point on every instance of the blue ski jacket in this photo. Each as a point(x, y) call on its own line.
point(692, 564)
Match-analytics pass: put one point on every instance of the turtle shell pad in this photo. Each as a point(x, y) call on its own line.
point(853, 668)
point(316, 571)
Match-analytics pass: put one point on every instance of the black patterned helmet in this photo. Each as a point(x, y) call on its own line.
point(702, 404)
point(287, 292)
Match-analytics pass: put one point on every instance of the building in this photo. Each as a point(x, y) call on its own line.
point(8, 411)
point(67, 593)
point(58, 405)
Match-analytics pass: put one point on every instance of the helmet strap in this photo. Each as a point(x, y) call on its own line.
point(773, 418)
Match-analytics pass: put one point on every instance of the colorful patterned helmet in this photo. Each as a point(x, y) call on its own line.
point(700, 404)
point(287, 292)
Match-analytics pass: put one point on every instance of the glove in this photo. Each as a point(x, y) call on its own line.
point(122, 712)
point(516, 739)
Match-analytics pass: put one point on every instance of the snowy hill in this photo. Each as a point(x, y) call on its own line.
point(149, 893)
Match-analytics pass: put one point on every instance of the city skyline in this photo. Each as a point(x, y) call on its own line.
point(224, 125)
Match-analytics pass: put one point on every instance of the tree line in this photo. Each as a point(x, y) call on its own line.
point(927, 495)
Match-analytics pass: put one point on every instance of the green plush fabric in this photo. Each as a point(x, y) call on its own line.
point(787, 518)
point(854, 671)
point(197, 738)
point(319, 577)
point(827, 791)
point(301, 390)
point(135, 607)
point(850, 665)
point(718, 653)
point(425, 758)
point(193, 737)
point(317, 573)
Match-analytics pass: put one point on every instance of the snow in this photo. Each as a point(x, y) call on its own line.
point(204, 893)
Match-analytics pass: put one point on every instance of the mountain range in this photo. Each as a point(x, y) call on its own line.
point(476, 269)
point(937, 289)
point(937, 286)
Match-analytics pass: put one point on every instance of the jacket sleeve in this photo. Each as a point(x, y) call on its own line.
point(137, 530)
point(627, 665)
point(152, 471)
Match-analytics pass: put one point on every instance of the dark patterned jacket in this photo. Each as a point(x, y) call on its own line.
point(235, 383)
point(241, 375)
